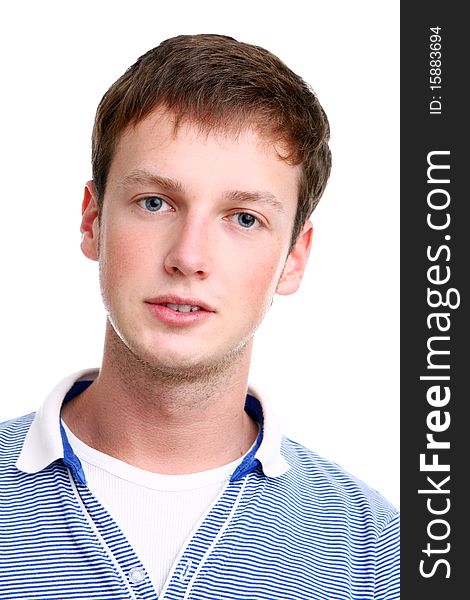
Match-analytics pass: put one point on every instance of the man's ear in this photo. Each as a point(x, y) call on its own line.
point(90, 227)
point(296, 262)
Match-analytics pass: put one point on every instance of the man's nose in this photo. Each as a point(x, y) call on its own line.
point(189, 252)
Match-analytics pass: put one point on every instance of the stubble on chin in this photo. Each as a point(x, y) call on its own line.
point(152, 370)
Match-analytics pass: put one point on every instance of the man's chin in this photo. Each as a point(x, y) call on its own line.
point(181, 369)
point(172, 364)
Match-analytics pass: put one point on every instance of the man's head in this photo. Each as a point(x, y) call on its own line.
point(220, 84)
point(208, 157)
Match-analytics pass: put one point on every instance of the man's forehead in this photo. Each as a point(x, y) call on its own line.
point(225, 128)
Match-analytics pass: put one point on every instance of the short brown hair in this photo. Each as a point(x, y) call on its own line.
point(220, 83)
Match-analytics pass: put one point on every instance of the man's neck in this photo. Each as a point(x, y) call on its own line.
point(161, 424)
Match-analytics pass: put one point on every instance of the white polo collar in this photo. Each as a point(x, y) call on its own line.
point(44, 443)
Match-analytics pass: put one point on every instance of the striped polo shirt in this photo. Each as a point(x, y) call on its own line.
point(289, 525)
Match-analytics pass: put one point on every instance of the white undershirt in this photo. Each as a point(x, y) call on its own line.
point(157, 513)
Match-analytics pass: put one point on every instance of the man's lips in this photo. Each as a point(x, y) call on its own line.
point(179, 311)
point(181, 304)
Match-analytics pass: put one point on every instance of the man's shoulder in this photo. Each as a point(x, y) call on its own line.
point(326, 488)
point(12, 436)
point(16, 426)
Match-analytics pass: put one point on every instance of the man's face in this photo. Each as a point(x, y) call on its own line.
point(193, 240)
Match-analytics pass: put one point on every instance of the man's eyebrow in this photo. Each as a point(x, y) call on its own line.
point(256, 196)
point(143, 177)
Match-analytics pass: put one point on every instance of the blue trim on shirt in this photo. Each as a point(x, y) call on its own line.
point(250, 463)
point(70, 459)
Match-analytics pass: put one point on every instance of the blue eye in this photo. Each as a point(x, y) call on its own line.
point(246, 220)
point(153, 203)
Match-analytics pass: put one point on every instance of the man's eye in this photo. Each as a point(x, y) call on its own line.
point(246, 220)
point(153, 204)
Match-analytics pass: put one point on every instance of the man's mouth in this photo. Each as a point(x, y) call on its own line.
point(184, 308)
point(181, 304)
point(180, 311)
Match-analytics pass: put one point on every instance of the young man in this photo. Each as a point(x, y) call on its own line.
point(162, 474)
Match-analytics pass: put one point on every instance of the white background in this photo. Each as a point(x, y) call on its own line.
point(328, 356)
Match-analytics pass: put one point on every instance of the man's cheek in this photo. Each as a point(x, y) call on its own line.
point(124, 253)
point(261, 286)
